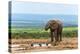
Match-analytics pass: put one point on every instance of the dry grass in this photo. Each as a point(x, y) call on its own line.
point(67, 43)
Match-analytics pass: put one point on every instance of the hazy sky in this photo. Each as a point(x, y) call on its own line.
point(43, 8)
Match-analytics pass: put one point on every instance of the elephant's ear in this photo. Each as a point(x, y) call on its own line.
point(54, 24)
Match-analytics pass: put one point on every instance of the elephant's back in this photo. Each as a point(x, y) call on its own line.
point(56, 21)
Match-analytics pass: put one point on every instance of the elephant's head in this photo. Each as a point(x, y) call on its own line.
point(52, 24)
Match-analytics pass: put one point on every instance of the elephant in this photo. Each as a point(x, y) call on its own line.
point(56, 27)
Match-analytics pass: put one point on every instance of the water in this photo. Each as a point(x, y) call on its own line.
point(42, 45)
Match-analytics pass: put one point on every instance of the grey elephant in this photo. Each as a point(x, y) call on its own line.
point(55, 27)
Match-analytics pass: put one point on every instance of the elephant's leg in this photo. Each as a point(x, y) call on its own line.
point(56, 36)
point(60, 37)
point(60, 34)
point(52, 38)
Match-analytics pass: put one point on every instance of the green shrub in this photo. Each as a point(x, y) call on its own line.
point(38, 35)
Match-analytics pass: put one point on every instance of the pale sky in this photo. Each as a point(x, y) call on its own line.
point(43, 8)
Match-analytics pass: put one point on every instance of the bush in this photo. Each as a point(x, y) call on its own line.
point(38, 35)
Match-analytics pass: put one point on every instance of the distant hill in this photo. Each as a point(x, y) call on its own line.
point(35, 20)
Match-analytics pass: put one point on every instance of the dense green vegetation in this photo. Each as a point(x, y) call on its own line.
point(41, 33)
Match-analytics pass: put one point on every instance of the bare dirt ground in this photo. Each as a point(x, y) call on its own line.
point(23, 45)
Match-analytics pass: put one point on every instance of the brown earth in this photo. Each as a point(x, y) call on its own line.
point(65, 44)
